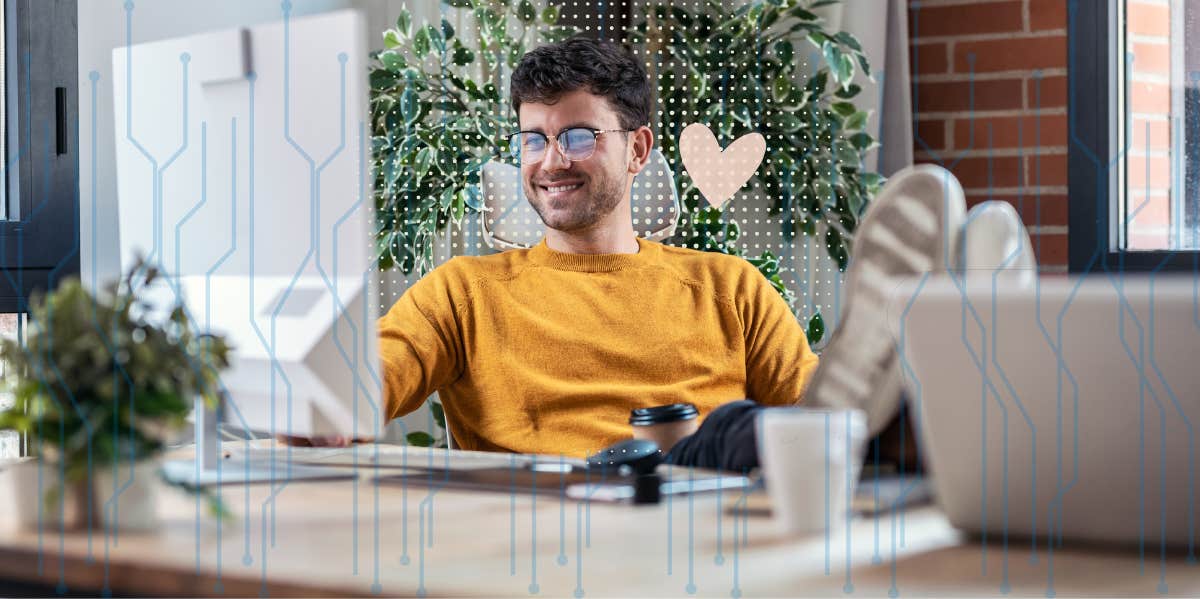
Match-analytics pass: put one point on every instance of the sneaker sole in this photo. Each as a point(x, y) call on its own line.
point(910, 229)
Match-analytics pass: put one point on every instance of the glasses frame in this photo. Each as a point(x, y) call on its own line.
point(557, 142)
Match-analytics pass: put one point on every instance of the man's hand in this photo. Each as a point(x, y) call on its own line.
point(322, 441)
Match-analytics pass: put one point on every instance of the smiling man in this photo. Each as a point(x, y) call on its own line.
point(547, 350)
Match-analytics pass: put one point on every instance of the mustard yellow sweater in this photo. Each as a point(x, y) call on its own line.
point(539, 351)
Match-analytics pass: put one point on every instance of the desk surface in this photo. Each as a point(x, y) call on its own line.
point(356, 538)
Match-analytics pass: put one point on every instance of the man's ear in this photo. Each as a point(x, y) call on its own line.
point(641, 141)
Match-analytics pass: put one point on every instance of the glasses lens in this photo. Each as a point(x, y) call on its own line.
point(527, 147)
point(578, 144)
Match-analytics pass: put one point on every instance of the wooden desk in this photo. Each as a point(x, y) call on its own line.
point(354, 538)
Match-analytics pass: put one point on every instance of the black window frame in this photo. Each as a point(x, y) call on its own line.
point(39, 242)
point(1092, 73)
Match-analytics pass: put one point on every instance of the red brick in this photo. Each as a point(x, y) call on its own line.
point(1148, 212)
point(1011, 54)
point(1012, 132)
point(954, 96)
point(929, 59)
point(1146, 240)
point(988, 173)
point(965, 19)
point(1047, 14)
point(1035, 210)
point(1046, 170)
point(931, 134)
point(1047, 92)
point(1050, 249)
point(1158, 177)
point(1158, 130)
point(1143, 18)
point(1151, 58)
point(1152, 98)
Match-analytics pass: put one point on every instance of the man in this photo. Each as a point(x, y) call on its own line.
point(547, 350)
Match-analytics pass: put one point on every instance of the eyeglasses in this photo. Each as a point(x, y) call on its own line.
point(575, 144)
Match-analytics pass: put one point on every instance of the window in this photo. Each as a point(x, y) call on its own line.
point(1134, 107)
point(39, 221)
point(39, 203)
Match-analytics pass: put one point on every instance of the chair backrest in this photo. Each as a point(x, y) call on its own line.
point(510, 222)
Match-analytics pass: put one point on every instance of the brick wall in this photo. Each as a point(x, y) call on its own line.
point(990, 99)
point(1148, 25)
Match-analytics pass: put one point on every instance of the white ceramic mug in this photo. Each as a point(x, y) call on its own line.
point(811, 459)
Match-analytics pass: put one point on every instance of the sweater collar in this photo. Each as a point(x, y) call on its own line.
point(542, 254)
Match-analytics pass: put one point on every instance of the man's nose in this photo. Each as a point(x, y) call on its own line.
point(554, 159)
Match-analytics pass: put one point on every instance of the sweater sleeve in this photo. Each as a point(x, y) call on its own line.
point(420, 343)
point(779, 362)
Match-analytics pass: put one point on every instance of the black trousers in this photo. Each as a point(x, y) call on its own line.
point(727, 440)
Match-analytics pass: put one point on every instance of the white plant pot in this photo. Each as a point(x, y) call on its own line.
point(135, 508)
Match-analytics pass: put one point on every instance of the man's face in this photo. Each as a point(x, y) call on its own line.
point(596, 186)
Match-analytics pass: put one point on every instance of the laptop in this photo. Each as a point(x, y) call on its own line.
point(1064, 410)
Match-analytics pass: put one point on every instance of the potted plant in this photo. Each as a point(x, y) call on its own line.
point(101, 384)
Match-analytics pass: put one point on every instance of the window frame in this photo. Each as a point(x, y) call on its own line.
point(39, 242)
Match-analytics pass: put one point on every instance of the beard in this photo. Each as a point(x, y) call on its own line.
point(592, 202)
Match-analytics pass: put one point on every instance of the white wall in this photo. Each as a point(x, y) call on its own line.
point(103, 27)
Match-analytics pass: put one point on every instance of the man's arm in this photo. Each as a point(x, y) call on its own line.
point(420, 343)
point(779, 362)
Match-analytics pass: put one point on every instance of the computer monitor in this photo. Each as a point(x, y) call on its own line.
point(243, 172)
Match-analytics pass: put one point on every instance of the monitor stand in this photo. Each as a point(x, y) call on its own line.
point(209, 468)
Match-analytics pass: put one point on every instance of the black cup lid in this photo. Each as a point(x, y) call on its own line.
point(661, 414)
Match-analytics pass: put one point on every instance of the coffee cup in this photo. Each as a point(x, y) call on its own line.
point(811, 459)
point(665, 425)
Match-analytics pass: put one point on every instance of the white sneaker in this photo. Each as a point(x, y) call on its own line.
point(995, 241)
point(911, 228)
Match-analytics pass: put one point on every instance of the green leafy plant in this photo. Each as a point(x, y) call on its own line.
point(746, 70)
point(106, 379)
point(434, 125)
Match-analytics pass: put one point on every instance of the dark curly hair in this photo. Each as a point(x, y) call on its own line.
point(606, 69)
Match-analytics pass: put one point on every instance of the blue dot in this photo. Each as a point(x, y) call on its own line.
point(735, 593)
point(129, 5)
point(421, 591)
point(1191, 559)
point(718, 560)
point(1005, 588)
point(106, 592)
point(185, 58)
point(247, 560)
point(343, 57)
point(893, 592)
point(286, 5)
point(252, 76)
point(219, 588)
point(404, 560)
point(1050, 592)
point(578, 593)
point(61, 589)
point(533, 589)
point(562, 560)
point(1162, 588)
point(1033, 559)
point(876, 560)
point(262, 591)
point(690, 588)
point(848, 588)
point(94, 76)
point(376, 588)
